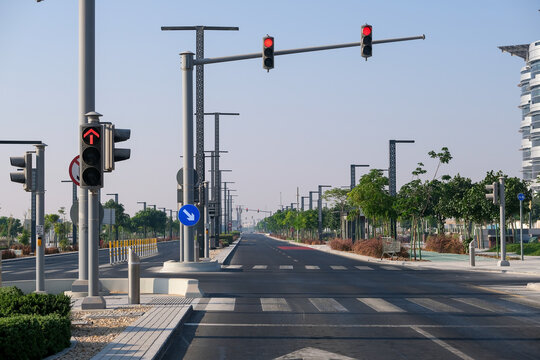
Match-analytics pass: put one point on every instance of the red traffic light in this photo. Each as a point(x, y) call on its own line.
point(268, 42)
point(366, 30)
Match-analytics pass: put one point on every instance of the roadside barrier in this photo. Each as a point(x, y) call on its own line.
point(119, 249)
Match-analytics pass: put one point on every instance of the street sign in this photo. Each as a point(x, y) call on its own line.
point(521, 197)
point(189, 215)
point(39, 230)
point(75, 170)
point(180, 177)
point(74, 213)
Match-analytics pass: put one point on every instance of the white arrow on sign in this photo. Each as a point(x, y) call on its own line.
point(190, 216)
point(310, 353)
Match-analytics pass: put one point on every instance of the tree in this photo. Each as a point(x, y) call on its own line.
point(340, 198)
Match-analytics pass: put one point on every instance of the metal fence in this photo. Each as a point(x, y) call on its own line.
point(390, 246)
point(118, 249)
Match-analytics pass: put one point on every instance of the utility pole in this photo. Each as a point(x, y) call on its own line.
point(392, 178)
point(304, 197)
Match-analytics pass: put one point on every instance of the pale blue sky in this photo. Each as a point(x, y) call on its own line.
point(302, 124)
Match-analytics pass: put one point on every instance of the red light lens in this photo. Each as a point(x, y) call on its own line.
point(268, 42)
point(366, 30)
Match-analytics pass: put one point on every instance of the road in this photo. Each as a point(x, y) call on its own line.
point(65, 266)
point(275, 299)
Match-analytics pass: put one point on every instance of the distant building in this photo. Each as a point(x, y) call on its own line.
point(530, 109)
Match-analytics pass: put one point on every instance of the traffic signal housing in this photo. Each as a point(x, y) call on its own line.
point(366, 42)
point(91, 156)
point(494, 195)
point(25, 176)
point(112, 154)
point(268, 52)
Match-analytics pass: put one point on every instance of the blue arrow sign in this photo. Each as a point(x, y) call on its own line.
point(189, 215)
point(521, 197)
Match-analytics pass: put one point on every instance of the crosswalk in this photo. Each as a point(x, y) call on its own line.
point(439, 305)
point(315, 267)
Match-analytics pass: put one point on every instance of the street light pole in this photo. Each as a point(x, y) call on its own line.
point(311, 199)
point(73, 202)
point(319, 204)
point(353, 184)
point(115, 224)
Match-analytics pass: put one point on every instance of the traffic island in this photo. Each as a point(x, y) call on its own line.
point(175, 267)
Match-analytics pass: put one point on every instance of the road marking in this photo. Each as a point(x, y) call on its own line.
point(233, 266)
point(482, 304)
point(433, 305)
point(260, 267)
point(522, 326)
point(363, 268)
point(313, 353)
point(380, 305)
point(312, 267)
point(338, 267)
point(443, 344)
point(327, 305)
point(285, 267)
point(390, 267)
point(274, 304)
point(221, 304)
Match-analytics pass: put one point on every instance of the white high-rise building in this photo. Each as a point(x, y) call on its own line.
point(530, 109)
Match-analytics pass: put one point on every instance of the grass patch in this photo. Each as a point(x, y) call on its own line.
point(528, 249)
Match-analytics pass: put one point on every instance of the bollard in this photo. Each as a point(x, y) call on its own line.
point(471, 252)
point(134, 278)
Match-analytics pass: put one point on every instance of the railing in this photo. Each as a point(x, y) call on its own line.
point(118, 249)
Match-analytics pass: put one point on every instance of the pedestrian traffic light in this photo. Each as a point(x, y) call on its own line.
point(25, 176)
point(365, 47)
point(494, 196)
point(112, 154)
point(91, 158)
point(268, 52)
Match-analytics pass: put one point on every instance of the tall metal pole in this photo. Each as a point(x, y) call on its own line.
point(187, 114)
point(392, 178)
point(206, 224)
point(353, 184)
point(225, 206)
point(311, 199)
point(74, 201)
point(503, 261)
point(115, 224)
point(521, 227)
point(33, 211)
point(86, 104)
point(40, 218)
point(319, 204)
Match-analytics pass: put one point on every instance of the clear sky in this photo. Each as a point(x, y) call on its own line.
point(302, 124)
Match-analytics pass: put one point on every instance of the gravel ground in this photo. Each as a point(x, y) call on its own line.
point(93, 330)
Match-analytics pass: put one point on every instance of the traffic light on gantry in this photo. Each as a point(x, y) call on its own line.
point(268, 52)
point(91, 161)
point(25, 176)
point(112, 154)
point(494, 195)
point(366, 42)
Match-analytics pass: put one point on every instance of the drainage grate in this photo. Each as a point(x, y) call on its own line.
point(171, 300)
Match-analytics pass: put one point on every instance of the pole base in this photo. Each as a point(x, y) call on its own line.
point(503, 263)
point(93, 302)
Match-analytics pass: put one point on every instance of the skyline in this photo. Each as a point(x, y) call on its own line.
point(138, 87)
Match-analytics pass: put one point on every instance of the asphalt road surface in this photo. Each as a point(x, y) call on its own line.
point(279, 301)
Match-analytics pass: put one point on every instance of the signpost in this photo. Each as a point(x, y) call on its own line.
point(75, 170)
point(521, 197)
point(189, 215)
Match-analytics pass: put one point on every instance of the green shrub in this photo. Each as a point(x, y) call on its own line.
point(33, 337)
point(226, 237)
point(34, 304)
point(10, 291)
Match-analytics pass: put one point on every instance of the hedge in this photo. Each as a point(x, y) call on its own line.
point(13, 302)
point(29, 337)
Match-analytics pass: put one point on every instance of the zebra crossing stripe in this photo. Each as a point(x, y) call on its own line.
point(274, 304)
point(433, 305)
point(380, 305)
point(285, 267)
point(363, 268)
point(312, 267)
point(260, 267)
point(390, 267)
point(327, 305)
point(338, 267)
point(233, 266)
point(482, 304)
point(221, 304)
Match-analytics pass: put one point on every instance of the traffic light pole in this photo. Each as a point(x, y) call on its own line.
point(40, 220)
point(503, 261)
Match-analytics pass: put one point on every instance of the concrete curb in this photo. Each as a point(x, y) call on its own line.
point(224, 256)
point(177, 329)
point(421, 265)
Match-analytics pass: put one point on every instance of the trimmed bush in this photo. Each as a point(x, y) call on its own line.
point(26, 249)
point(370, 247)
point(341, 244)
point(33, 337)
point(51, 250)
point(13, 303)
point(8, 254)
point(445, 244)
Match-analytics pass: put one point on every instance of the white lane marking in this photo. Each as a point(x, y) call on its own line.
point(363, 268)
point(327, 305)
point(274, 304)
point(380, 305)
point(525, 302)
point(433, 305)
point(522, 326)
point(221, 304)
point(390, 267)
point(232, 266)
point(260, 267)
point(338, 267)
point(312, 267)
point(285, 267)
point(443, 344)
point(482, 304)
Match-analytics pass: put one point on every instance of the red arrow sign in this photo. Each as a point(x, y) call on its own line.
point(91, 133)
